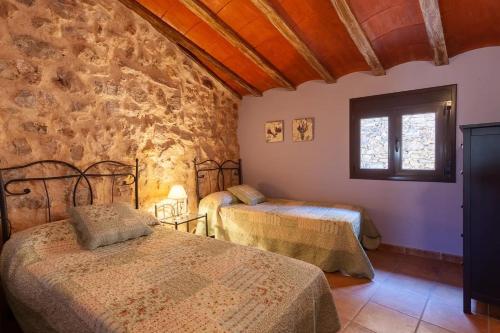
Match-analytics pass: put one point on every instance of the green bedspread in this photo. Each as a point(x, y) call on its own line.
point(327, 236)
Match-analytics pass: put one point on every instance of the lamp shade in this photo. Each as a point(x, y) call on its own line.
point(177, 192)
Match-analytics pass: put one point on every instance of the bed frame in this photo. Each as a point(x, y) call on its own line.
point(204, 170)
point(64, 170)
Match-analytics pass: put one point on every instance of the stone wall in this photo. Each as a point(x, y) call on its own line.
point(418, 145)
point(374, 143)
point(88, 80)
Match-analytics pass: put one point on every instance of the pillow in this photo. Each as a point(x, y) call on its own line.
point(100, 225)
point(247, 194)
point(222, 198)
point(211, 205)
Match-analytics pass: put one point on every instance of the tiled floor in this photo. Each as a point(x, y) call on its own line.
point(409, 294)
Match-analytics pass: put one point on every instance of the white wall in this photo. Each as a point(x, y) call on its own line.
point(414, 214)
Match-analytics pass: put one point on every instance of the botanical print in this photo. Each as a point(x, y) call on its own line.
point(274, 131)
point(303, 129)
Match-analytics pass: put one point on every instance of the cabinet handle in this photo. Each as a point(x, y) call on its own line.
point(396, 145)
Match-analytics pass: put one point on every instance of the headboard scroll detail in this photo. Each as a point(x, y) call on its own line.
point(204, 169)
point(118, 170)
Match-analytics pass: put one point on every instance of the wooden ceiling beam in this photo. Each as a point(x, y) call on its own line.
point(434, 28)
point(284, 28)
point(358, 36)
point(204, 13)
point(202, 54)
point(177, 38)
point(207, 69)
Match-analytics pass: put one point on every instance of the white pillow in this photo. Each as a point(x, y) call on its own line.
point(211, 205)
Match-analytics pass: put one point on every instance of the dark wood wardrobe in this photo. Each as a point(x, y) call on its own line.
point(481, 209)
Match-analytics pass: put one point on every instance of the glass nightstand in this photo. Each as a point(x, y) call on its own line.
point(176, 221)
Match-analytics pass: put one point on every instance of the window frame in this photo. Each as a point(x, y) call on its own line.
point(394, 106)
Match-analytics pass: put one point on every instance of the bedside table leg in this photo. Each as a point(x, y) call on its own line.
point(187, 227)
point(206, 224)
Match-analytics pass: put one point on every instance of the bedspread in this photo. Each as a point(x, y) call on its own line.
point(327, 236)
point(169, 281)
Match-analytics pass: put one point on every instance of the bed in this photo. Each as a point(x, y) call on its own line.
point(169, 281)
point(329, 236)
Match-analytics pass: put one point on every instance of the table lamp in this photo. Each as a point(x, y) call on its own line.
point(179, 196)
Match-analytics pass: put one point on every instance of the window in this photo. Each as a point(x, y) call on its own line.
point(404, 136)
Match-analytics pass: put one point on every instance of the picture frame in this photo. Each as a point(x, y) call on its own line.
point(303, 129)
point(274, 131)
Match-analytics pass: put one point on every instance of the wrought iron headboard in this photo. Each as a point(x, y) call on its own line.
point(119, 169)
point(204, 168)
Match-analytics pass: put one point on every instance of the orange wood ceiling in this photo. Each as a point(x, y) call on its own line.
point(470, 24)
point(252, 25)
point(317, 22)
point(395, 29)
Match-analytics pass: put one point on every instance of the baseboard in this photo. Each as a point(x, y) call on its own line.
point(421, 253)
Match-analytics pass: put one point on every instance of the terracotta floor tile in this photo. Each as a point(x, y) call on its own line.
point(356, 328)
point(404, 301)
point(381, 275)
point(453, 296)
point(448, 294)
point(452, 318)
point(393, 301)
point(384, 320)
point(344, 321)
point(348, 304)
point(424, 327)
point(410, 283)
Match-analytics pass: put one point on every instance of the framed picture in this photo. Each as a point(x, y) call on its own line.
point(274, 131)
point(303, 129)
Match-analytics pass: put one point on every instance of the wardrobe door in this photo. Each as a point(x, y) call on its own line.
point(485, 213)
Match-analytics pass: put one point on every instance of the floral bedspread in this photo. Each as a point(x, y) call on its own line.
point(169, 281)
point(326, 235)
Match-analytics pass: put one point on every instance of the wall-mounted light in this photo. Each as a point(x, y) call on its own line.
point(448, 105)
